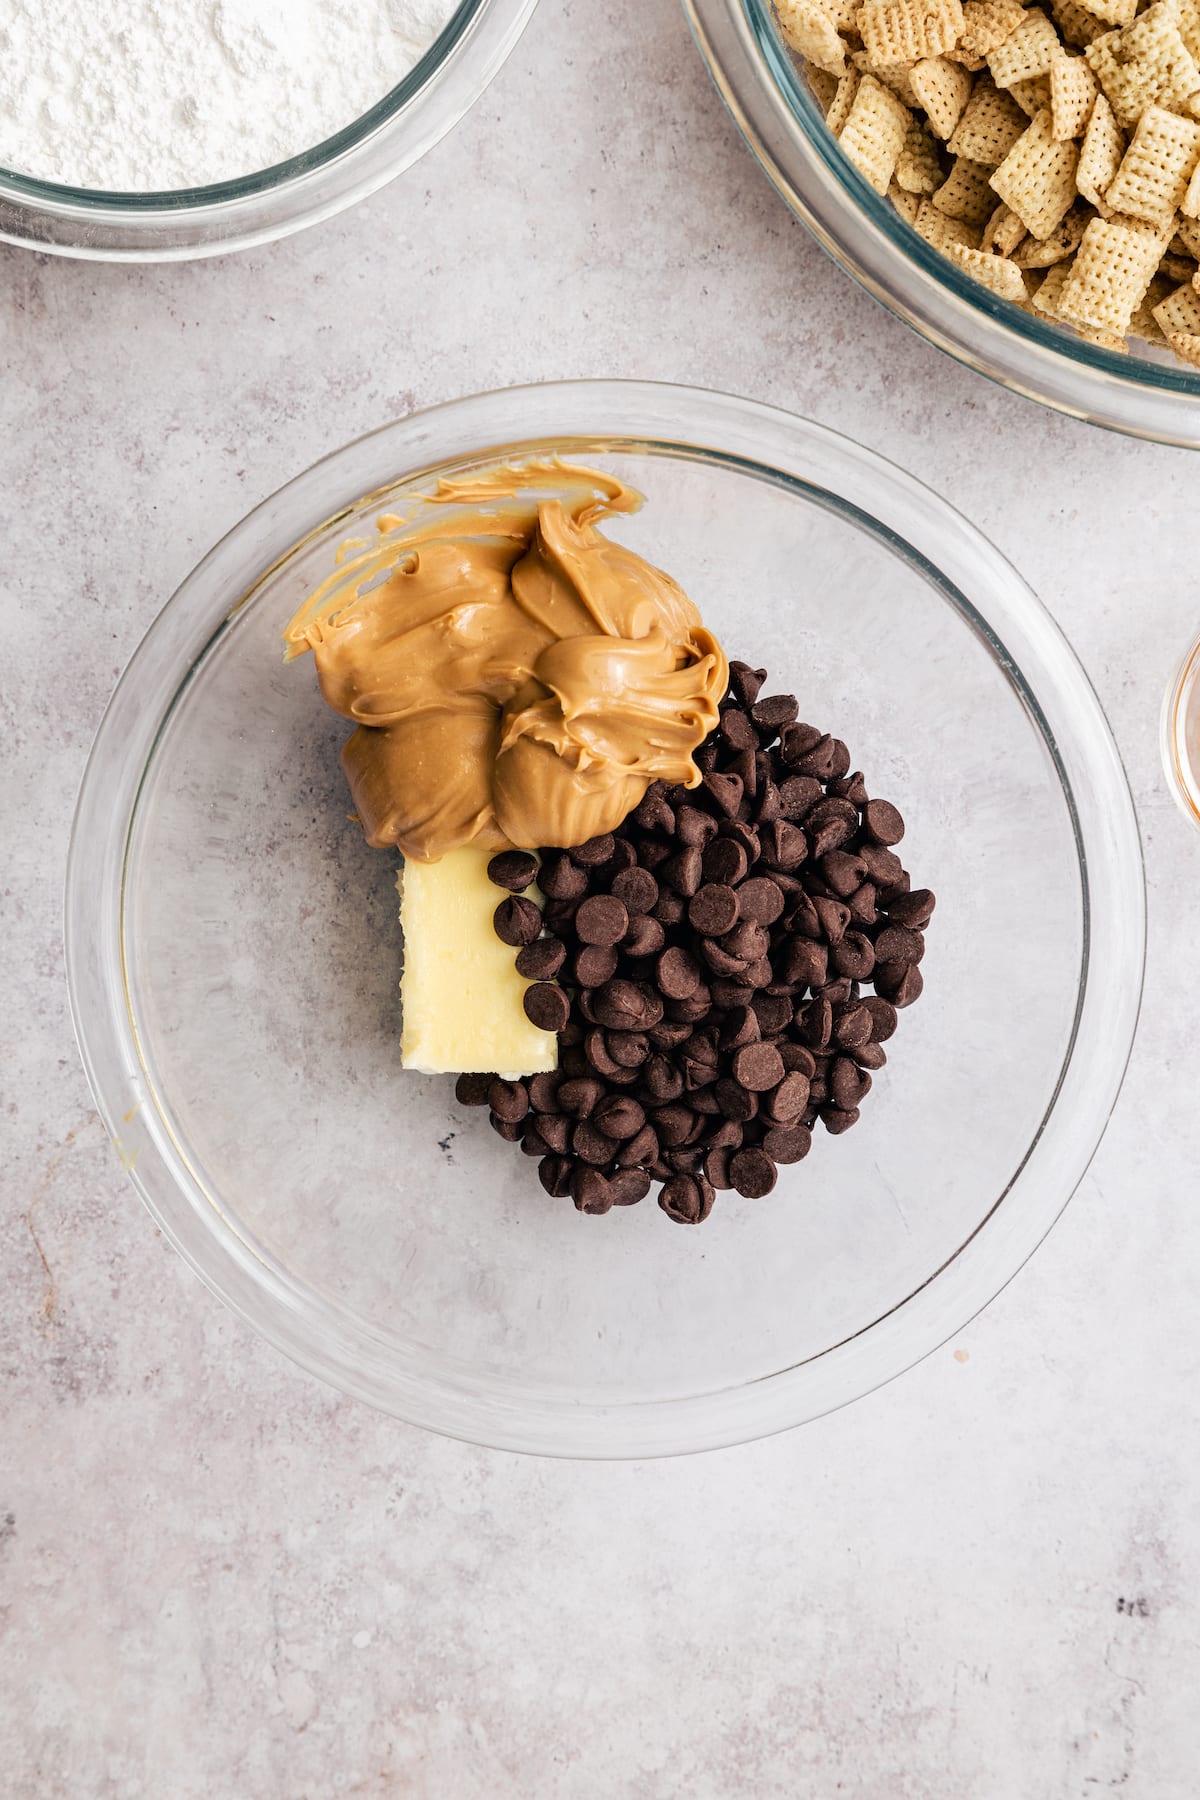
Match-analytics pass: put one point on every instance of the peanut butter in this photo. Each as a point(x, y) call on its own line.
point(515, 677)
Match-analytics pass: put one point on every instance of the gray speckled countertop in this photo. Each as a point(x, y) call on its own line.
point(219, 1579)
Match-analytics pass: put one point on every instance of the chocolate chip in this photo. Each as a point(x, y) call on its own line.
point(622, 1006)
point(694, 828)
point(753, 1173)
point(896, 943)
point(645, 937)
point(509, 1129)
point(786, 1103)
point(620, 1116)
point(854, 956)
point(746, 682)
point(714, 909)
point(472, 1090)
point(628, 1049)
point(773, 713)
point(639, 1151)
point(681, 873)
point(787, 1144)
point(848, 1084)
point(677, 973)
point(661, 1079)
point(592, 1144)
point(726, 791)
point(688, 1199)
point(554, 1173)
point(784, 845)
point(901, 983)
point(836, 1121)
point(735, 1101)
point(517, 921)
point(798, 1056)
point(579, 1095)
point(757, 1067)
point(513, 869)
point(815, 1024)
point(655, 813)
point(591, 1191)
point(594, 965)
point(596, 851)
point(883, 866)
point(833, 917)
point(716, 1166)
point(543, 1091)
point(883, 1018)
point(798, 794)
point(542, 960)
point(737, 729)
point(725, 860)
point(628, 1186)
point(602, 919)
point(559, 879)
point(914, 909)
point(556, 1129)
point(804, 961)
point(852, 1027)
point(761, 899)
point(748, 941)
point(868, 1055)
point(546, 1006)
point(509, 1100)
point(773, 1012)
point(636, 888)
point(883, 822)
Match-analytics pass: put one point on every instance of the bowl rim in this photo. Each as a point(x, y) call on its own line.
point(175, 224)
point(600, 417)
point(762, 88)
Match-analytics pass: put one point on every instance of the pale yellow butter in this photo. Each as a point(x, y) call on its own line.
point(462, 996)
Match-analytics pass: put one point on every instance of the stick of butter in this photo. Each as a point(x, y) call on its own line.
point(462, 996)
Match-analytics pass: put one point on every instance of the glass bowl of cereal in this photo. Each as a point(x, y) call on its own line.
point(120, 150)
point(960, 162)
point(234, 951)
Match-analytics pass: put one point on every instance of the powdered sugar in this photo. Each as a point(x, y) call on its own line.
point(152, 94)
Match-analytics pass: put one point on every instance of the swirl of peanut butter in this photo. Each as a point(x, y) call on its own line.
point(515, 677)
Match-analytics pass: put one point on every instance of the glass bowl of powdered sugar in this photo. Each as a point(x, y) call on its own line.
point(155, 130)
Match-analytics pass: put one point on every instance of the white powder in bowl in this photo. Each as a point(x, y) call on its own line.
point(154, 94)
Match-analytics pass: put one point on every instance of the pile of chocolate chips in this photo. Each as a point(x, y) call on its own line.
point(704, 968)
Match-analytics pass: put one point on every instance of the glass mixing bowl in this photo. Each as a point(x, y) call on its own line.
point(235, 215)
point(1145, 393)
point(233, 954)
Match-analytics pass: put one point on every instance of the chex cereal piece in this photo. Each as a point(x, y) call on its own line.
point(1112, 270)
point(1190, 204)
point(874, 132)
point(1186, 345)
point(990, 126)
point(994, 272)
point(1063, 242)
point(1031, 95)
point(824, 87)
point(1113, 12)
point(1037, 177)
point(843, 100)
point(907, 30)
point(1189, 25)
point(942, 89)
point(1003, 232)
point(1073, 90)
point(1180, 311)
point(1100, 157)
point(940, 231)
point(1146, 64)
point(966, 192)
point(906, 204)
point(918, 166)
point(1143, 323)
point(1078, 26)
point(1188, 233)
point(1050, 293)
point(811, 30)
point(986, 25)
point(1155, 170)
point(1027, 52)
point(897, 76)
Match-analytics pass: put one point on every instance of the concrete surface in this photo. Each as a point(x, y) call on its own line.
point(219, 1579)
